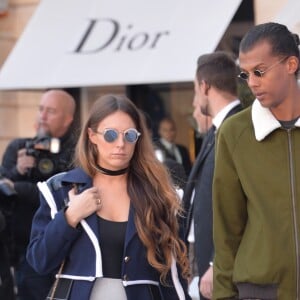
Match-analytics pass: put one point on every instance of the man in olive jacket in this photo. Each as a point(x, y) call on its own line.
point(256, 190)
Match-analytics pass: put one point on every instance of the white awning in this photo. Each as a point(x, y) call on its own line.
point(76, 43)
point(289, 15)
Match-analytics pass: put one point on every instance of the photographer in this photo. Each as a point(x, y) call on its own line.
point(25, 162)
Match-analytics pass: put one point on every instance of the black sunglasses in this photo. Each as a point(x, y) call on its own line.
point(259, 73)
point(110, 135)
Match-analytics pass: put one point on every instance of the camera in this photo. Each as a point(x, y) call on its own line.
point(43, 148)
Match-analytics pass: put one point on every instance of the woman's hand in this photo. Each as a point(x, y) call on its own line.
point(82, 205)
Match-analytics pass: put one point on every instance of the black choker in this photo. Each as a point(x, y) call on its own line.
point(110, 172)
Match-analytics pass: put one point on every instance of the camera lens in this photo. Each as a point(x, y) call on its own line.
point(45, 166)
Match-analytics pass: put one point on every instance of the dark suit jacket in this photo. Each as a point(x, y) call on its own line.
point(177, 172)
point(184, 153)
point(186, 161)
point(200, 179)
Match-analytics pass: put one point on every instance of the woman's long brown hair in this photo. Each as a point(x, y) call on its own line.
point(154, 198)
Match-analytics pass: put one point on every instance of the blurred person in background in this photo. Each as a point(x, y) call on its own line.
point(25, 162)
point(175, 169)
point(172, 150)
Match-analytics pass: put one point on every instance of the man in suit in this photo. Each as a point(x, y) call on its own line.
point(172, 150)
point(215, 96)
point(175, 169)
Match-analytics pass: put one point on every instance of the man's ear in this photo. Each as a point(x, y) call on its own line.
point(293, 64)
point(68, 120)
point(205, 86)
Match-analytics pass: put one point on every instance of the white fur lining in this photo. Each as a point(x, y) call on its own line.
point(264, 121)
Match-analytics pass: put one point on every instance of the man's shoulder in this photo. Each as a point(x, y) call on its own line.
point(15, 145)
point(237, 121)
point(238, 128)
point(19, 141)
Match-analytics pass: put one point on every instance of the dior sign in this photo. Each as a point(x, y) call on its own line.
point(104, 33)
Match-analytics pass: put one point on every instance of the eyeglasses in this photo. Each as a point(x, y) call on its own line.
point(260, 73)
point(110, 135)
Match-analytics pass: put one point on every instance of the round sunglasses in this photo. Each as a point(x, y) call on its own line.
point(259, 73)
point(110, 135)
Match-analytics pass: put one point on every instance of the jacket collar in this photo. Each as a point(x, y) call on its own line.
point(264, 121)
point(222, 114)
point(79, 177)
point(76, 175)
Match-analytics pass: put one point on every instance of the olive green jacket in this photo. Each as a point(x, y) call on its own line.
point(256, 207)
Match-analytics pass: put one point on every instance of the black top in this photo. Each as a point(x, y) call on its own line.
point(112, 238)
point(288, 124)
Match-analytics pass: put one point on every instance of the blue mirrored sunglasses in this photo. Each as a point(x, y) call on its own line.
point(110, 135)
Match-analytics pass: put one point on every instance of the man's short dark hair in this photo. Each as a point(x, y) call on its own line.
point(219, 70)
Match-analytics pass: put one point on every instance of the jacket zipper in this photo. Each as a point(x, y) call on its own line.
point(292, 176)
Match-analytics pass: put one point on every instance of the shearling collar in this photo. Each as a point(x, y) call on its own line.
point(263, 121)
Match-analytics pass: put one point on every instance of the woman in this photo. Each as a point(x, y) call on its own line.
point(112, 221)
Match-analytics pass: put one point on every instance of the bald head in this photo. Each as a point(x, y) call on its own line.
point(56, 112)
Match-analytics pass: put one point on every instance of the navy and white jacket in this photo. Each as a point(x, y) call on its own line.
point(53, 241)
